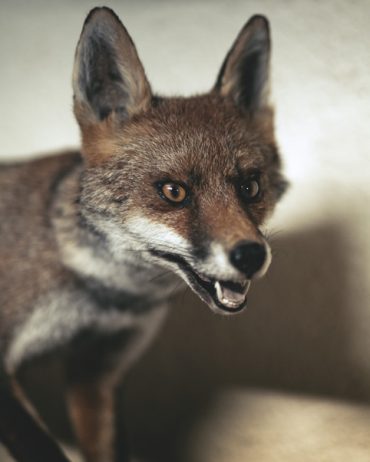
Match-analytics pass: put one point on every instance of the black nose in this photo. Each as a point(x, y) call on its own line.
point(248, 257)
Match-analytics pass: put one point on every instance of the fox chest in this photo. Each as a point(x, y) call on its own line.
point(58, 318)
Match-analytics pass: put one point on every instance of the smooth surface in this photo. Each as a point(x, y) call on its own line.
point(257, 426)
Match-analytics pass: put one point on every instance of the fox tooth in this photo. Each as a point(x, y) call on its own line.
point(218, 291)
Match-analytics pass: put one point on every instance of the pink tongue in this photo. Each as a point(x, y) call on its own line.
point(228, 297)
point(232, 296)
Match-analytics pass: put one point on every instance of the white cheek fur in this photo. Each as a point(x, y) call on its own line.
point(156, 233)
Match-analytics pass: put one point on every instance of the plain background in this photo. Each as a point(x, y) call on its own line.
point(307, 328)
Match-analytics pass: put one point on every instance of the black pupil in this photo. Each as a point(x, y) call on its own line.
point(249, 189)
point(175, 192)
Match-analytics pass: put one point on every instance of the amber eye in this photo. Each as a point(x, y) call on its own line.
point(173, 192)
point(250, 190)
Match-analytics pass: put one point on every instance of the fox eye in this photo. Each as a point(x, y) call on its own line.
point(172, 192)
point(250, 190)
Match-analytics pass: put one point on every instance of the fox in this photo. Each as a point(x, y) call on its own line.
point(93, 242)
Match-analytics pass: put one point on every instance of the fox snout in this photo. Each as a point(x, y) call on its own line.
point(249, 258)
point(226, 275)
point(224, 278)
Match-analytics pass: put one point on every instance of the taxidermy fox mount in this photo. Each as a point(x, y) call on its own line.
point(93, 242)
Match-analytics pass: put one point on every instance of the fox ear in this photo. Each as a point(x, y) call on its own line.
point(108, 77)
point(244, 75)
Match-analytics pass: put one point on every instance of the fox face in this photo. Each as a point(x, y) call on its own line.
point(184, 183)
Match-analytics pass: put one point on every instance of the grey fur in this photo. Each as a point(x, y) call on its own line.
point(91, 250)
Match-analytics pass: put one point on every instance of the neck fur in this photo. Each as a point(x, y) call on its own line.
point(87, 253)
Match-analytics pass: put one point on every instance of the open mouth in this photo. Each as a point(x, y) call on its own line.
point(228, 296)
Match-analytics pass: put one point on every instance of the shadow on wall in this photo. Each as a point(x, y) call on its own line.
point(294, 336)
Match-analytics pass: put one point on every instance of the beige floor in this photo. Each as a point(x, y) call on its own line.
point(259, 426)
point(262, 426)
point(308, 326)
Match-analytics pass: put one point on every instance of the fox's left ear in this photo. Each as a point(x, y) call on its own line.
point(244, 75)
point(108, 78)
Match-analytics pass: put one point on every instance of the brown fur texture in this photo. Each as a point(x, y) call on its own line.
point(90, 249)
point(145, 151)
point(27, 242)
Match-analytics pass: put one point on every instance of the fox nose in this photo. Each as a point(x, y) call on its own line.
point(248, 257)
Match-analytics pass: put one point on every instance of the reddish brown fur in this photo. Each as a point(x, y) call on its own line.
point(203, 136)
point(69, 204)
point(92, 414)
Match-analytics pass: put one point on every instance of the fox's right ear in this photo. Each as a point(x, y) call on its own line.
point(244, 75)
point(108, 78)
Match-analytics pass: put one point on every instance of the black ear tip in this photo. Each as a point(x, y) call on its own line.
point(101, 12)
point(259, 20)
point(258, 24)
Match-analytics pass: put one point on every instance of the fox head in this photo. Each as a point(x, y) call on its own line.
point(186, 182)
